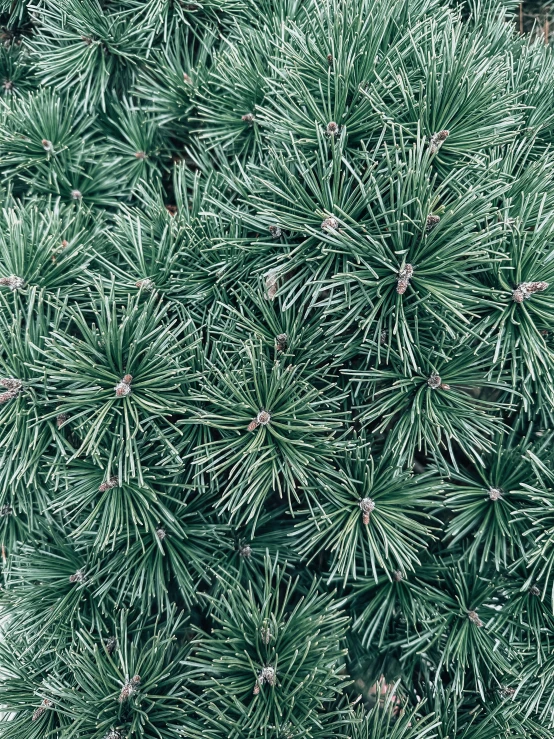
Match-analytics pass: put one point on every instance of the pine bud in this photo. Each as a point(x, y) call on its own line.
point(275, 231)
point(6, 510)
point(474, 618)
point(434, 381)
point(383, 336)
point(281, 342)
point(525, 289)
point(534, 590)
point(507, 692)
point(112, 734)
point(403, 279)
point(248, 118)
point(171, 209)
point(110, 644)
point(187, 79)
point(47, 145)
point(145, 284)
point(495, 494)
point(330, 60)
point(245, 551)
point(61, 418)
point(535, 287)
point(78, 576)
point(161, 534)
point(267, 675)
point(140, 155)
point(262, 419)
point(332, 128)
point(11, 383)
point(129, 688)
point(270, 285)
point(431, 222)
point(266, 634)
point(113, 482)
point(8, 85)
point(76, 194)
point(123, 388)
point(398, 576)
point(402, 285)
point(13, 282)
point(16, 283)
point(87, 40)
point(13, 386)
point(367, 505)
point(330, 224)
point(437, 140)
point(44, 706)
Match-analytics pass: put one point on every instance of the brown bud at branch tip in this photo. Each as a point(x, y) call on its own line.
point(474, 618)
point(367, 505)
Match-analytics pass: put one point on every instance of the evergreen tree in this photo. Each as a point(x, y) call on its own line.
point(276, 369)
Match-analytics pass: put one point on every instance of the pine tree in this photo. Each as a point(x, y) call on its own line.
point(276, 370)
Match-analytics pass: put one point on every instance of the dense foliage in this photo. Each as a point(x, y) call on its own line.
point(277, 370)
